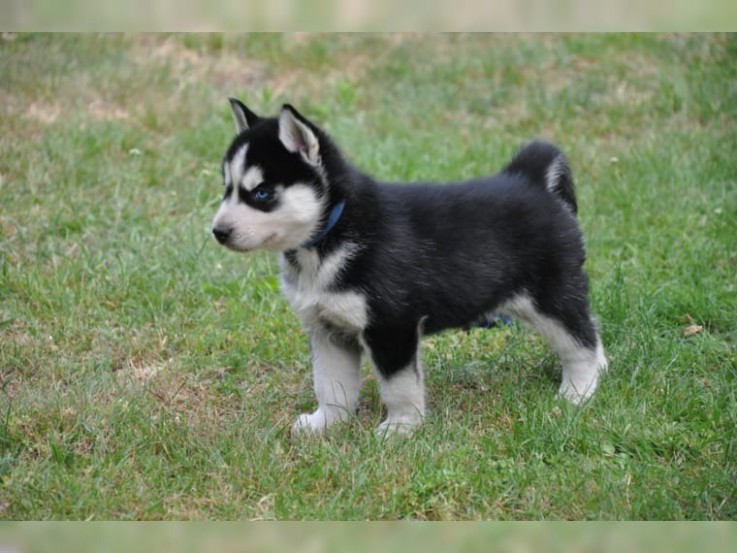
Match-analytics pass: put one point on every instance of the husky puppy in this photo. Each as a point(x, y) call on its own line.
point(371, 267)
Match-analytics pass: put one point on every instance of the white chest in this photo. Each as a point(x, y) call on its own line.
point(310, 291)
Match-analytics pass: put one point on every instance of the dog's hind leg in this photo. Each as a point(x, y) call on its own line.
point(573, 335)
point(395, 356)
point(336, 364)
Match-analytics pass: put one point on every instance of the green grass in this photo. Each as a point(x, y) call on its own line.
point(146, 373)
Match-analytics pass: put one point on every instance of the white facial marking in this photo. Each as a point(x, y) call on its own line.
point(253, 177)
point(286, 227)
point(237, 165)
point(227, 180)
point(581, 365)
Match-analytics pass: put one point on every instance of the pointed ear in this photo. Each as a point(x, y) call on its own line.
point(297, 136)
point(244, 118)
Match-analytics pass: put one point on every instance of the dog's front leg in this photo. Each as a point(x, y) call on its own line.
point(336, 365)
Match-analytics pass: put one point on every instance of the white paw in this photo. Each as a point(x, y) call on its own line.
point(398, 426)
point(580, 377)
point(315, 423)
point(577, 392)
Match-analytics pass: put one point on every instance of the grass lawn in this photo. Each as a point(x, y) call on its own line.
point(148, 373)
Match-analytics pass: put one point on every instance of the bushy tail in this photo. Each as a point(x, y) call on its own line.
point(545, 164)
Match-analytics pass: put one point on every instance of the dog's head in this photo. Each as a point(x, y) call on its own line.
point(275, 188)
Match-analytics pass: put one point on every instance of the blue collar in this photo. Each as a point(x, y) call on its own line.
point(333, 219)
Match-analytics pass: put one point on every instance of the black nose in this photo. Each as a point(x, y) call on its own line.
point(221, 235)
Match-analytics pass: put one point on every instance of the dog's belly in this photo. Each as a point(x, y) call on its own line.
point(345, 310)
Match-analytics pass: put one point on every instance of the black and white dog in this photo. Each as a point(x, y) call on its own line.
point(371, 267)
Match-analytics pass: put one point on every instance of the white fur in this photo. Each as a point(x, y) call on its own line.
point(252, 178)
point(285, 228)
point(309, 290)
point(404, 397)
point(337, 380)
point(237, 165)
point(555, 170)
point(581, 365)
point(227, 178)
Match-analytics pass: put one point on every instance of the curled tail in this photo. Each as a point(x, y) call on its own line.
point(544, 164)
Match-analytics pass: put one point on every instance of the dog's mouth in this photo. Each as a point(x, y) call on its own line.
point(244, 249)
point(237, 248)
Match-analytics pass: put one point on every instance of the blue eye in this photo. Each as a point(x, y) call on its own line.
point(263, 195)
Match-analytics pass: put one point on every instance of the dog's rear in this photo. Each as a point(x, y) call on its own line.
point(566, 324)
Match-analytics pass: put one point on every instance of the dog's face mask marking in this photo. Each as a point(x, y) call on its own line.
point(273, 198)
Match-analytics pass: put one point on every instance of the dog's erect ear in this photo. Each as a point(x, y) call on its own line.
point(244, 118)
point(297, 136)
